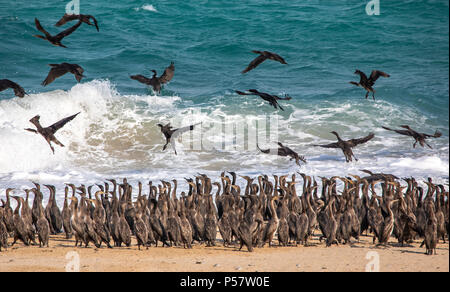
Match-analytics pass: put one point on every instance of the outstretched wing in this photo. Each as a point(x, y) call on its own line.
point(180, 131)
point(253, 64)
point(18, 90)
point(276, 57)
point(40, 28)
point(66, 18)
point(141, 79)
point(54, 73)
point(68, 31)
point(376, 74)
point(402, 132)
point(355, 142)
point(58, 125)
point(168, 74)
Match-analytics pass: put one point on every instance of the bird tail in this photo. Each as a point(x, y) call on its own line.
point(354, 83)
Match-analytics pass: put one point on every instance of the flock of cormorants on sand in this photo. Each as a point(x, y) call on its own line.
point(269, 210)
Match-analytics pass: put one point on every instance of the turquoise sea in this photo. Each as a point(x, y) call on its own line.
point(210, 43)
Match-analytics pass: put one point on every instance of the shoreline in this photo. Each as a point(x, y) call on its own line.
point(314, 258)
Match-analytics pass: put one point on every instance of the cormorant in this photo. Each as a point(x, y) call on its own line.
point(59, 70)
point(284, 151)
point(18, 90)
point(346, 146)
point(171, 134)
point(263, 55)
point(81, 17)
point(56, 39)
point(49, 132)
point(367, 83)
point(419, 137)
point(272, 99)
point(156, 82)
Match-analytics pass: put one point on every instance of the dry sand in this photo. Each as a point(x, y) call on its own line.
point(221, 259)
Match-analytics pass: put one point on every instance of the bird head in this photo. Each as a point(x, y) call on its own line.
point(357, 71)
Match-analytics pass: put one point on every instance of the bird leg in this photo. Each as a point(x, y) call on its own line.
point(367, 94)
point(428, 145)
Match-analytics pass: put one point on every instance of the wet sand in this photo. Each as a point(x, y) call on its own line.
point(316, 257)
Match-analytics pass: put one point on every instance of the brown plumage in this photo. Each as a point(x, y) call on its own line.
point(346, 146)
point(263, 55)
point(55, 39)
point(49, 132)
point(271, 99)
point(81, 17)
point(418, 137)
point(18, 90)
point(156, 82)
point(284, 151)
point(59, 70)
point(367, 83)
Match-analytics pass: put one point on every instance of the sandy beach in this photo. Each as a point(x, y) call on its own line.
point(316, 257)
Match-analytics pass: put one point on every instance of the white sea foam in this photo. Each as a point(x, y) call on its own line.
point(147, 7)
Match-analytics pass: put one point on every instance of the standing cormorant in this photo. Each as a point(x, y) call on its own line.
point(49, 132)
point(18, 90)
point(367, 83)
point(56, 39)
point(263, 55)
point(419, 137)
point(346, 146)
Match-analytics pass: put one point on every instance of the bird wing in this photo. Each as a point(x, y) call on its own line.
point(331, 145)
point(180, 131)
point(18, 90)
point(40, 28)
point(276, 57)
point(168, 74)
point(66, 18)
point(363, 78)
point(54, 73)
point(141, 79)
point(355, 142)
point(287, 97)
point(402, 132)
point(253, 64)
point(58, 125)
point(376, 74)
point(68, 31)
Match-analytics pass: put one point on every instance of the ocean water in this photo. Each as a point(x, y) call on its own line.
point(210, 43)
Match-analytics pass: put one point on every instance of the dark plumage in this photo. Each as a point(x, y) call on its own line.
point(346, 146)
point(59, 70)
point(263, 55)
point(49, 132)
point(18, 90)
point(55, 39)
point(367, 83)
point(81, 17)
point(284, 151)
point(272, 99)
point(419, 137)
point(156, 82)
point(171, 134)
